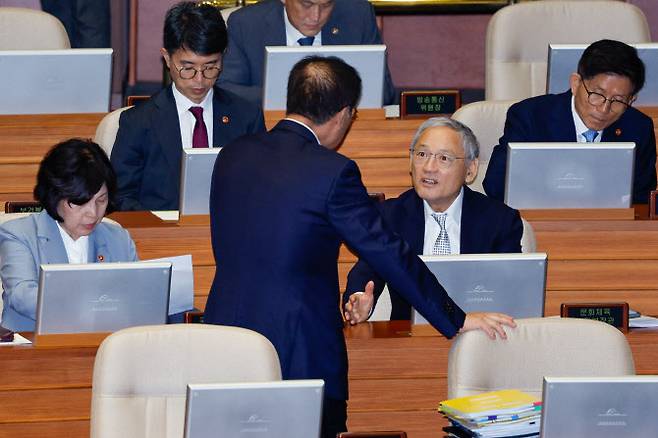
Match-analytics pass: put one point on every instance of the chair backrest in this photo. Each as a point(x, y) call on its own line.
point(487, 121)
point(106, 131)
point(29, 29)
point(141, 374)
point(537, 347)
point(518, 36)
point(528, 239)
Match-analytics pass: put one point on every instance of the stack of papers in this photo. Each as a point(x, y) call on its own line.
point(506, 413)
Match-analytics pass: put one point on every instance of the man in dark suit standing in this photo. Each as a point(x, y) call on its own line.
point(189, 113)
point(293, 23)
point(281, 203)
point(597, 108)
point(441, 215)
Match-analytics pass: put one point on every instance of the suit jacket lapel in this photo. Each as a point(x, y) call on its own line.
point(51, 245)
point(168, 129)
point(413, 230)
point(468, 242)
point(98, 248)
point(221, 123)
point(561, 125)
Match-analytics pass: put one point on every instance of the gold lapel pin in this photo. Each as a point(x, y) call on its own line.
point(617, 132)
point(334, 31)
point(100, 258)
point(225, 119)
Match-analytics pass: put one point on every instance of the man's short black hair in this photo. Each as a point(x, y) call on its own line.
point(319, 88)
point(612, 57)
point(74, 170)
point(195, 27)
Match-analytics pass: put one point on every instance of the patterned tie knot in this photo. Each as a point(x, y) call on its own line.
point(440, 219)
point(590, 135)
point(197, 111)
point(306, 41)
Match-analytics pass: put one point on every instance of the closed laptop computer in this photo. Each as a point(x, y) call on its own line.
point(514, 284)
point(569, 175)
point(602, 407)
point(563, 60)
point(290, 409)
point(55, 81)
point(101, 297)
point(368, 60)
point(195, 177)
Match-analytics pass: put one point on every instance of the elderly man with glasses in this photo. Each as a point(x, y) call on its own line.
point(440, 215)
point(192, 112)
point(596, 108)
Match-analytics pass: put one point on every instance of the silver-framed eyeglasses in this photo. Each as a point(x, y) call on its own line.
point(598, 99)
point(444, 160)
point(209, 72)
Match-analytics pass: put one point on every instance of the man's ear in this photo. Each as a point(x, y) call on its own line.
point(166, 56)
point(472, 170)
point(574, 82)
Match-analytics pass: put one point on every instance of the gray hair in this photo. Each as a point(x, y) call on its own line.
point(469, 141)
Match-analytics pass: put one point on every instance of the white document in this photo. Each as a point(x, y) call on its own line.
point(166, 215)
point(643, 322)
point(181, 294)
point(18, 340)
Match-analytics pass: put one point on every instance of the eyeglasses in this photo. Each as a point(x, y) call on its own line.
point(444, 160)
point(598, 99)
point(190, 72)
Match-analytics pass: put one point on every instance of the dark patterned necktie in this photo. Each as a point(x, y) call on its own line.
point(306, 41)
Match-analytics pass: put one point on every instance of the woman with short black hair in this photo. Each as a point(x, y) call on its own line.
point(76, 186)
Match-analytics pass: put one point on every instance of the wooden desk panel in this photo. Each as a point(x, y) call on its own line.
point(396, 382)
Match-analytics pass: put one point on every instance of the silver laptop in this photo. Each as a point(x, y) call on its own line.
point(101, 297)
point(514, 284)
point(195, 177)
point(569, 175)
point(289, 408)
point(563, 60)
point(368, 60)
point(602, 407)
point(55, 81)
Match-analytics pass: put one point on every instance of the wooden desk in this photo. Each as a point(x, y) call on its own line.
point(396, 382)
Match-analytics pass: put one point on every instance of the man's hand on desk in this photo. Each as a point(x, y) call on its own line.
point(490, 323)
point(359, 305)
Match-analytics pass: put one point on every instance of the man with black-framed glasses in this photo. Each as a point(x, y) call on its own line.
point(598, 107)
point(191, 112)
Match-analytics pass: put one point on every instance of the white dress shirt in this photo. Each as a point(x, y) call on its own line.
point(292, 34)
point(76, 250)
point(580, 125)
point(305, 126)
point(453, 225)
point(186, 119)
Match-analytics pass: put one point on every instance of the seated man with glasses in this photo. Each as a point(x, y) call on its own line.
point(189, 113)
point(440, 215)
point(597, 108)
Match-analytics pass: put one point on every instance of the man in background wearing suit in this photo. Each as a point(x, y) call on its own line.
point(441, 215)
point(281, 203)
point(597, 108)
point(87, 22)
point(293, 23)
point(189, 113)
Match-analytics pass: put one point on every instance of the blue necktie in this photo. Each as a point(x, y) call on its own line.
point(306, 41)
point(590, 135)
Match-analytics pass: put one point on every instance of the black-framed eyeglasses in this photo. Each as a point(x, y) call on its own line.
point(444, 160)
point(209, 72)
point(598, 99)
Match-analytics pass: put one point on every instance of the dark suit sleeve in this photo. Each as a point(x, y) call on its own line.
point(355, 218)
point(128, 160)
point(516, 129)
point(236, 73)
point(258, 123)
point(645, 167)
